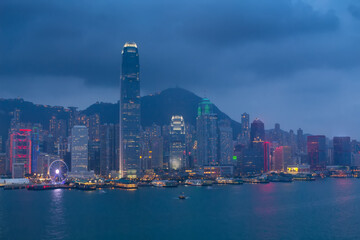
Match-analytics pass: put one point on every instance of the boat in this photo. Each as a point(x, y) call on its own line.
point(279, 178)
point(194, 182)
point(144, 184)
point(125, 184)
point(221, 180)
point(255, 180)
point(164, 183)
point(86, 187)
point(303, 177)
point(199, 182)
point(182, 196)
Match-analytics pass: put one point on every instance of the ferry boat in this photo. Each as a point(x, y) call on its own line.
point(86, 187)
point(221, 180)
point(126, 184)
point(164, 183)
point(303, 177)
point(279, 178)
point(255, 180)
point(194, 182)
point(145, 184)
point(198, 182)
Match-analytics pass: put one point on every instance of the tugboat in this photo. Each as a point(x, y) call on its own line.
point(182, 196)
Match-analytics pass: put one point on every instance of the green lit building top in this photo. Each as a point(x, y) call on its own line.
point(205, 107)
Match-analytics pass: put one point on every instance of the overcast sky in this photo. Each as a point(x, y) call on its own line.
point(292, 62)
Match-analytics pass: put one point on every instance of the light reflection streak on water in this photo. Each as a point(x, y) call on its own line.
point(55, 229)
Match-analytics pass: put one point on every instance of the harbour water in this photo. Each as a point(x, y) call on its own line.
point(323, 209)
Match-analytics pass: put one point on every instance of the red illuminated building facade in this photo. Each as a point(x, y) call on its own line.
point(316, 149)
point(20, 153)
point(267, 164)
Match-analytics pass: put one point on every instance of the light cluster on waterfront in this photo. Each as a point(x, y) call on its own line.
point(90, 148)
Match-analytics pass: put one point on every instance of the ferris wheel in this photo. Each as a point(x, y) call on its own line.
point(58, 171)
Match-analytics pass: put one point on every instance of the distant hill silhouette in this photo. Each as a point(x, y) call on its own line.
point(156, 108)
point(30, 112)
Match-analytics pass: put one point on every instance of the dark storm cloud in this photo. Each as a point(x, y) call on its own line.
point(233, 22)
point(269, 58)
point(83, 39)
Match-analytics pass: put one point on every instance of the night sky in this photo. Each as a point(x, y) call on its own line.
point(292, 62)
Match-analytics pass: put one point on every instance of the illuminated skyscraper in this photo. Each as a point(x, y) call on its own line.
point(130, 111)
point(2, 163)
point(35, 149)
point(257, 131)
point(207, 134)
point(79, 149)
point(257, 149)
point(20, 153)
point(267, 162)
point(177, 142)
point(94, 143)
point(57, 128)
point(226, 142)
point(94, 128)
point(282, 158)
point(316, 149)
point(152, 148)
point(245, 131)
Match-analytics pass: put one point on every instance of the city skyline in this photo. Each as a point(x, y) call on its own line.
point(179, 119)
point(309, 70)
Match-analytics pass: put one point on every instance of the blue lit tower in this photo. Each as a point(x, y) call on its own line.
point(130, 111)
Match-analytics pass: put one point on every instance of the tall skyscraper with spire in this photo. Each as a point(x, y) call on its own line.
point(130, 111)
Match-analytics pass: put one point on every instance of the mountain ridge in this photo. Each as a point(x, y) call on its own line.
point(155, 108)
